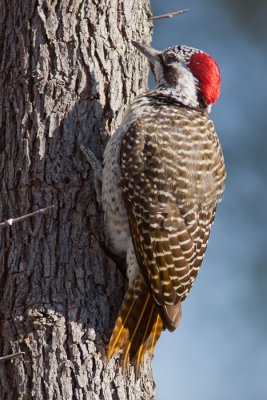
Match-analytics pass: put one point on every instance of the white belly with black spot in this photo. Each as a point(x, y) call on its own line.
point(116, 218)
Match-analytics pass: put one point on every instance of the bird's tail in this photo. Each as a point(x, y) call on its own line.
point(137, 328)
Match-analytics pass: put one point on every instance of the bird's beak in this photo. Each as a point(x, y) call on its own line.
point(151, 54)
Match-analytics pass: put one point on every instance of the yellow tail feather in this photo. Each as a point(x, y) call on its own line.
point(112, 349)
point(137, 328)
point(140, 355)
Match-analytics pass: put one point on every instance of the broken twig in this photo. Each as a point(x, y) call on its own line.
point(11, 221)
point(169, 15)
point(10, 356)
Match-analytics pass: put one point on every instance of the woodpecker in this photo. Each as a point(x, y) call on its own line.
point(163, 177)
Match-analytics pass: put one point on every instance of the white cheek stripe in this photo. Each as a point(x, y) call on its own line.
point(185, 91)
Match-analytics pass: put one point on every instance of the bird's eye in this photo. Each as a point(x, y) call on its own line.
point(170, 58)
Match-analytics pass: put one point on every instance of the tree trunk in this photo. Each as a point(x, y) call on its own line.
point(67, 73)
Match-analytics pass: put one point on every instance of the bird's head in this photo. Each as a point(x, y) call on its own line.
point(184, 74)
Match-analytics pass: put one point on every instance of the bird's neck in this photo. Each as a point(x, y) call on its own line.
point(177, 95)
point(166, 96)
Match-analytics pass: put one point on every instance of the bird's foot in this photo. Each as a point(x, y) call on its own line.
point(97, 168)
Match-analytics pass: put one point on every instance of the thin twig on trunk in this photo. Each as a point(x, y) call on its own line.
point(11, 221)
point(11, 356)
point(169, 15)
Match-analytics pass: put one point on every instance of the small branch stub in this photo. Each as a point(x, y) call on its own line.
point(169, 15)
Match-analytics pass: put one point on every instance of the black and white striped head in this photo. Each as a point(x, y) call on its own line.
point(184, 74)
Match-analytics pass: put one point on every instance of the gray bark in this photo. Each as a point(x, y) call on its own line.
point(67, 72)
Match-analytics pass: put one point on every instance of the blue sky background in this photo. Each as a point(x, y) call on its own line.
point(219, 351)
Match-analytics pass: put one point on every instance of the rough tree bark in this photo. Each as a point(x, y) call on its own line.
point(67, 72)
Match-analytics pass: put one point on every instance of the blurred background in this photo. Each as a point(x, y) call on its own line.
point(220, 350)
